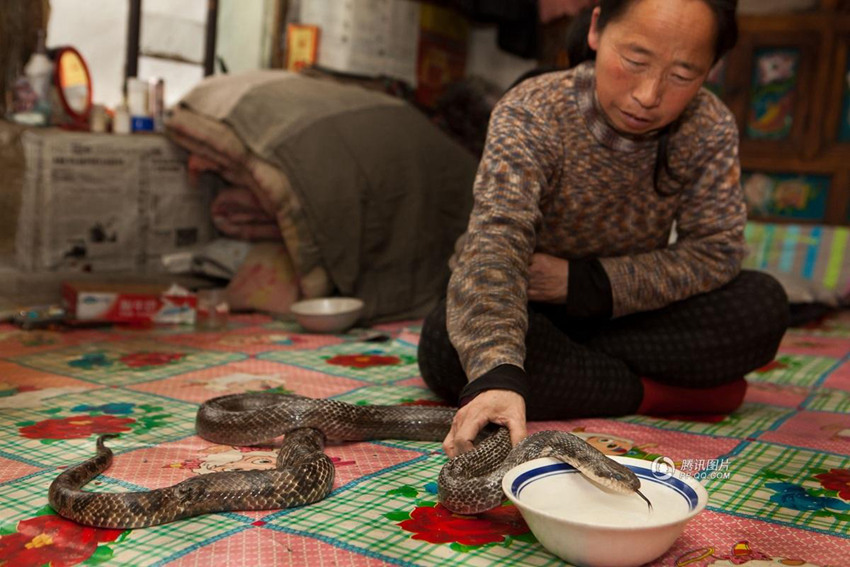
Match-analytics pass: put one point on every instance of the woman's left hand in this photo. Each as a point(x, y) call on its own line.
point(548, 277)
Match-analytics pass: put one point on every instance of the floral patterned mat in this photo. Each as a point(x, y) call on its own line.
point(777, 471)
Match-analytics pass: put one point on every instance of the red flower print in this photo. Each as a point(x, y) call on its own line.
point(144, 359)
point(51, 540)
point(363, 360)
point(76, 427)
point(439, 525)
point(836, 479)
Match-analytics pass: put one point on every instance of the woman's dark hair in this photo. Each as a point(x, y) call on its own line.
point(579, 51)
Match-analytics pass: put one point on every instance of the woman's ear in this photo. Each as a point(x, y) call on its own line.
point(593, 33)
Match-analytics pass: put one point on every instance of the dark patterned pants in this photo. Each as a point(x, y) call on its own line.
point(593, 367)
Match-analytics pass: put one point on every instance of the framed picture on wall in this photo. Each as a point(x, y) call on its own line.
point(766, 84)
point(774, 93)
point(794, 191)
point(787, 195)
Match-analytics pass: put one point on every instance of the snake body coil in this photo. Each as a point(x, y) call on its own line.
point(303, 474)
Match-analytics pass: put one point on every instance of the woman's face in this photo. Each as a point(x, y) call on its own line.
point(651, 61)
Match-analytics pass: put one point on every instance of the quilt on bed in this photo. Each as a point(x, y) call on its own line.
point(777, 471)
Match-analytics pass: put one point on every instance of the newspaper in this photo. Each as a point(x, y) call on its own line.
point(106, 202)
point(366, 37)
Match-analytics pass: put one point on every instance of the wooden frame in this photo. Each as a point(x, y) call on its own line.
point(838, 198)
point(134, 26)
point(837, 150)
point(739, 89)
point(278, 37)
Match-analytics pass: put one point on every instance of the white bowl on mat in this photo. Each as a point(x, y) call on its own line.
point(327, 314)
point(587, 525)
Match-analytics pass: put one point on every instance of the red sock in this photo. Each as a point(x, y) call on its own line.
point(666, 400)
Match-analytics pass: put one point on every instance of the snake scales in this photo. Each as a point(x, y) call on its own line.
point(468, 484)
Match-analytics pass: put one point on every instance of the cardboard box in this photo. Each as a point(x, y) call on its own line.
point(106, 203)
point(127, 303)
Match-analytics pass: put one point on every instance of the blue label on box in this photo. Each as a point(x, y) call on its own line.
point(141, 124)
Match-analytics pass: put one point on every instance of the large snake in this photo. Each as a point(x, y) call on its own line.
point(468, 484)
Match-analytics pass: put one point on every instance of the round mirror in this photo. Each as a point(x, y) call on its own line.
point(73, 83)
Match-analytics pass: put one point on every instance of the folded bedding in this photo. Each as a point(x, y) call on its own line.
point(368, 195)
point(237, 213)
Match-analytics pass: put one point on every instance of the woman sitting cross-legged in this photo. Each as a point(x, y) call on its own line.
point(566, 299)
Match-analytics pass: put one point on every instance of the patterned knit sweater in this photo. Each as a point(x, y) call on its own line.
point(556, 178)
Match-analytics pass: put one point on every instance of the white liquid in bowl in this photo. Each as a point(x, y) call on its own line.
point(572, 497)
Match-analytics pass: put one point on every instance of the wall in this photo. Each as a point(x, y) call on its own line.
point(244, 33)
point(486, 60)
point(98, 29)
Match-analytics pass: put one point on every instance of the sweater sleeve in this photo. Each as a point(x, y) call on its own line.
point(710, 247)
point(487, 315)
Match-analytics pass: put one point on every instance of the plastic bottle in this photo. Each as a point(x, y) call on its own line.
point(121, 119)
point(139, 105)
point(39, 73)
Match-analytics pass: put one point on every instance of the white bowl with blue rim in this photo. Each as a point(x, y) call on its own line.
point(591, 526)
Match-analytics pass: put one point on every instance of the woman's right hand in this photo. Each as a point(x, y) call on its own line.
point(502, 407)
point(548, 278)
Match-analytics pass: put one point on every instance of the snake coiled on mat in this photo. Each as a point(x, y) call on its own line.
point(468, 484)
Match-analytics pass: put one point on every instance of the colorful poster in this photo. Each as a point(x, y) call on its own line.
point(788, 195)
point(773, 93)
point(302, 42)
point(443, 40)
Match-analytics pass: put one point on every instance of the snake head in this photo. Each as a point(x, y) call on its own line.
point(619, 476)
point(615, 475)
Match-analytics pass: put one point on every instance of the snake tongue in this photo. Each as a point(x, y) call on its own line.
point(645, 499)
